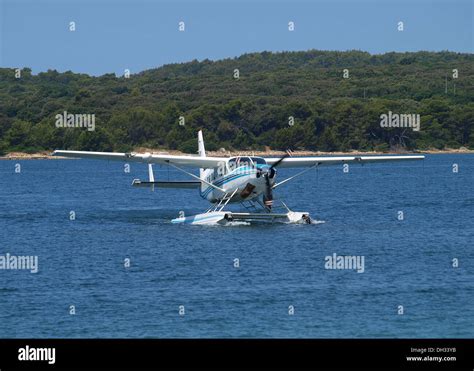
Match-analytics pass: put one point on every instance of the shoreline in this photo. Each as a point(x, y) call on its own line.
point(46, 155)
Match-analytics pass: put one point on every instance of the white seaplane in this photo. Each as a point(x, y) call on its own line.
point(249, 180)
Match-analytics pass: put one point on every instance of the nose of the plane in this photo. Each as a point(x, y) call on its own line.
point(266, 170)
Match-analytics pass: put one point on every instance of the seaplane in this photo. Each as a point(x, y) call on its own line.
point(247, 180)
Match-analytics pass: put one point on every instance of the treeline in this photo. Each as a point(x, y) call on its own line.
point(316, 100)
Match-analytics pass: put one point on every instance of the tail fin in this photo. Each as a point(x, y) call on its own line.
point(201, 150)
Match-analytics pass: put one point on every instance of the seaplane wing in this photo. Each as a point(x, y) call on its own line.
point(194, 161)
point(333, 160)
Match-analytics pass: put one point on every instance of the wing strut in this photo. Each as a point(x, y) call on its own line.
point(294, 176)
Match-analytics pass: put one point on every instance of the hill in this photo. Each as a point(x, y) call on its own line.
point(297, 100)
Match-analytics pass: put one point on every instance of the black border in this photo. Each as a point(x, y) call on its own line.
point(238, 353)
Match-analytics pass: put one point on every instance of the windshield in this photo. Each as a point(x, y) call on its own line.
point(237, 162)
point(259, 160)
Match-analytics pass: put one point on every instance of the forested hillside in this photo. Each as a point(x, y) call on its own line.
point(331, 113)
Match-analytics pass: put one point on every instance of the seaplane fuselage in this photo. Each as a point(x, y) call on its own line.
point(244, 177)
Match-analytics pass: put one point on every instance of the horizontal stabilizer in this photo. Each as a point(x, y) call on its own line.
point(180, 184)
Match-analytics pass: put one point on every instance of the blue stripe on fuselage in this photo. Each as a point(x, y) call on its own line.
point(237, 173)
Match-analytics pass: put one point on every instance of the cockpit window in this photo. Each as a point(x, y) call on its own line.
point(233, 163)
point(258, 160)
point(237, 162)
point(244, 161)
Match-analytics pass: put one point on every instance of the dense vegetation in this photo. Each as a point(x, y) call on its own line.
point(330, 112)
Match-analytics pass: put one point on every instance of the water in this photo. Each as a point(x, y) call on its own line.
point(81, 262)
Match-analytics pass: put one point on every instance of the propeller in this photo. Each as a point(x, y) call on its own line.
point(269, 174)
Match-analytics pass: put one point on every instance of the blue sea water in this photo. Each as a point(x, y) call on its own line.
point(408, 263)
